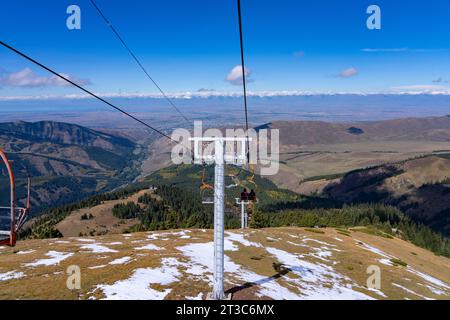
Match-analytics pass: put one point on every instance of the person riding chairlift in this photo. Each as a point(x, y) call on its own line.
point(252, 196)
point(244, 195)
point(251, 203)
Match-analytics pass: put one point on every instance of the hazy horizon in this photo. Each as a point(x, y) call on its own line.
point(224, 110)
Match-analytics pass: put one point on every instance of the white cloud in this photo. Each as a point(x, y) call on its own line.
point(423, 88)
point(29, 79)
point(419, 50)
point(385, 50)
point(348, 73)
point(404, 90)
point(235, 75)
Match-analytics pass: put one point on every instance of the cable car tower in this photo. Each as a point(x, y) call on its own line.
point(244, 215)
point(12, 217)
point(219, 158)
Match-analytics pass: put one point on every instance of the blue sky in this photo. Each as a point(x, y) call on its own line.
point(188, 45)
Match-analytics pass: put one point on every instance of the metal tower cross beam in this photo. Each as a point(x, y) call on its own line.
point(235, 158)
point(219, 158)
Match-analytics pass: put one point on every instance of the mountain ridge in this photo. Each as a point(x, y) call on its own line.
point(66, 161)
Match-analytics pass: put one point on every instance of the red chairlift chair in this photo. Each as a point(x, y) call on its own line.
point(12, 217)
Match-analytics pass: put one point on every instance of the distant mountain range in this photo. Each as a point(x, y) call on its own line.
point(319, 132)
point(66, 162)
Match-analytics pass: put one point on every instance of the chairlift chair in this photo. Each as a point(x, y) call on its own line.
point(206, 190)
point(12, 217)
point(207, 195)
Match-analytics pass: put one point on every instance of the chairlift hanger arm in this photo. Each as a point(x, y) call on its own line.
point(22, 212)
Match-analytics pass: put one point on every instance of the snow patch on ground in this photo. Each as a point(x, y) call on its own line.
point(386, 262)
point(55, 258)
point(238, 237)
point(137, 287)
point(321, 254)
point(428, 278)
point(202, 253)
point(10, 275)
point(410, 291)
point(156, 236)
point(183, 234)
point(26, 251)
point(198, 297)
point(149, 246)
point(200, 256)
point(298, 244)
point(318, 241)
point(317, 281)
point(118, 243)
point(97, 248)
point(201, 259)
point(268, 286)
point(85, 240)
point(433, 289)
point(98, 267)
point(374, 250)
point(378, 292)
point(123, 260)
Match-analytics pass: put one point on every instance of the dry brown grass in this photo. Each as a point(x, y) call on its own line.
point(103, 221)
point(347, 258)
point(318, 160)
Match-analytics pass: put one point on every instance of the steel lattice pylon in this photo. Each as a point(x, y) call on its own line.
point(219, 159)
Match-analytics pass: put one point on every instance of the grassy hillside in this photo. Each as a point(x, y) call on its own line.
point(418, 187)
point(275, 263)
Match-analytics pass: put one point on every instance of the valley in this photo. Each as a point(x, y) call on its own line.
point(67, 162)
point(224, 151)
point(351, 197)
point(316, 157)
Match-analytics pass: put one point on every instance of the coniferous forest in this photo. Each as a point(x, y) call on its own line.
point(172, 205)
